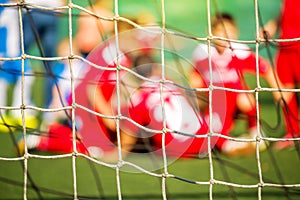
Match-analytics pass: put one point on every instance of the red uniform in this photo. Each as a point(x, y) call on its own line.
point(94, 134)
point(288, 60)
point(290, 26)
point(90, 127)
point(227, 72)
point(145, 108)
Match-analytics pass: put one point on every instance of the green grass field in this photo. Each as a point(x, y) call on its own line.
point(52, 178)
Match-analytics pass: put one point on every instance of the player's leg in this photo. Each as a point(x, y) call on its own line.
point(57, 140)
point(287, 70)
point(246, 104)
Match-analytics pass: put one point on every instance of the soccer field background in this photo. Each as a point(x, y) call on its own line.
point(52, 178)
point(191, 16)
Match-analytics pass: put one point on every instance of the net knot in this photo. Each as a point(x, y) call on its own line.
point(70, 5)
point(209, 37)
point(258, 40)
point(260, 185)
point(257, 89)
point(164, 175)
point(74, 106)
point(75, 153)
point(116, 18)
point(26, 156)
point(23, 56)
point(120, 164)
point(258, 138)
point(23, 107)
point(164, 130)
point(71, 57)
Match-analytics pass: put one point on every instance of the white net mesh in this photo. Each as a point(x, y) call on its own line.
point(205, 176)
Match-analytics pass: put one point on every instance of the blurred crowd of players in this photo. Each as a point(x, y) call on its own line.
point(182, 123)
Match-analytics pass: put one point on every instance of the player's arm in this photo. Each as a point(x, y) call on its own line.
point(101, 105)
point(269, 29)
point(196, 81)
point(273, 80)
point(265, 71)
point(270, 75)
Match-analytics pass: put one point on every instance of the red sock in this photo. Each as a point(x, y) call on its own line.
point(59, 140)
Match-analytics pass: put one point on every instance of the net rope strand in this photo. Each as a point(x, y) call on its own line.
point(211, 88)
point(258, 135)
point(74, 136)
point(260, 184)
point(162, 101)
point(25, 169)
point(120, 157)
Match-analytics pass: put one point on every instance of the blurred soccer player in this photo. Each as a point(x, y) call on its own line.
point(288, 65)
point(11, 71)
point(93, 91)
point(229, 63)
point(40, 27)
point(61, 90)
point(91, 30)
point(144, 106)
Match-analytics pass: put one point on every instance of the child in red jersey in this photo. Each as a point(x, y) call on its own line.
point(93, 91)
point(229, 62)
point(162, 110)
point(287, 65)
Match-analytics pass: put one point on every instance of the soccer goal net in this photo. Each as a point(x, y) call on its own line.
point(153, 99)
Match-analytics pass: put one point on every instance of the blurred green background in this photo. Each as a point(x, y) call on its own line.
point(53, 177)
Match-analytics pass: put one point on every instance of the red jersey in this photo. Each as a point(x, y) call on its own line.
point(290, 26)
point(227, 72)
point(91, 127)
point(228, 67)
point(146, 109)
point(288, 60)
